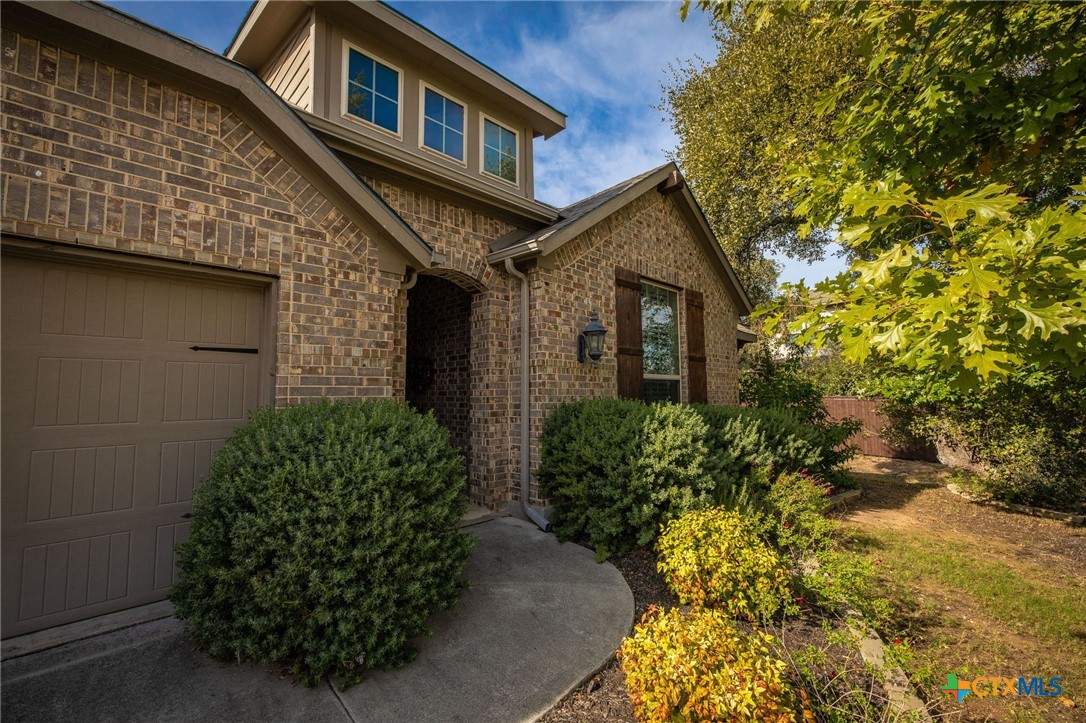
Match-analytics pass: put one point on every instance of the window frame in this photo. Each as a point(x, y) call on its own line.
point(677, 377)
point(345, 82)
point(483, 118)
point(423, 87)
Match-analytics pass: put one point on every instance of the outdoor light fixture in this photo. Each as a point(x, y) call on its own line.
point(590, 341)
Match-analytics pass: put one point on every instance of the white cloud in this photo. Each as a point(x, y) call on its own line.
point(601, 63)
point(606, 71)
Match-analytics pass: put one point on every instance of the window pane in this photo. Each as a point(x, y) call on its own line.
point(434, 106)
point(660, 329)
point(454, 143)
point(509, 143)
point(359, 101)
point(388, 82)
point(508, 169)
point(491, 161)
point(431, 135)
point(660, 390)
point(360, 69)
point(491, 135)
point(384, 114)
point(454, 115)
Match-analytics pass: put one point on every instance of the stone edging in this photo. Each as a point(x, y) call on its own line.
point(842, 498)
point(903, 700)
point(1067, 517)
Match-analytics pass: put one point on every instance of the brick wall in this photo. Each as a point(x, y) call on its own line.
point(463, 236)
point(97, 156)
point(648, 236)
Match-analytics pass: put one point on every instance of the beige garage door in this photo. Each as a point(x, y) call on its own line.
point(118, 387)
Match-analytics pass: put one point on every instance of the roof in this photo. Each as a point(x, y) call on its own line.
point(578, 217)
point(101, 31)
point(273, 19)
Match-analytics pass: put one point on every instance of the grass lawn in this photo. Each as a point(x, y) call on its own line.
point(977, 592)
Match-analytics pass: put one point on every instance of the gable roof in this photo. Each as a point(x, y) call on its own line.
point(268, 22)
point(578, 217)
point(105, 33)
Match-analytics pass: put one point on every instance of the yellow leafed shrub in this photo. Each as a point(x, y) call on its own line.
point(711, 557)
point(697, 667)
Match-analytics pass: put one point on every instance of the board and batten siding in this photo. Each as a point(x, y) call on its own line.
point(290, 72)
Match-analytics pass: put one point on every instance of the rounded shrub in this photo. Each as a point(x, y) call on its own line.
point(712, 557)
point(696, 666)
point(324, 537)
point(618, 469)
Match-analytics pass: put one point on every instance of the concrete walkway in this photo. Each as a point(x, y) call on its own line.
point(538, 618)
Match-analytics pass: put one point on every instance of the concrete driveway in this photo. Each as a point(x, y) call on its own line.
point(538, 618)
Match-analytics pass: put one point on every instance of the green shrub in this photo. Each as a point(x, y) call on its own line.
point(588, 449)
point(1027, 435)
point(697, 667)
point(617, 470)
point(713, 557)
point(324, 538)
point(796, 504)
point(741, 440)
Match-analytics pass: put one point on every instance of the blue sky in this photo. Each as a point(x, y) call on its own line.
point(601, 63)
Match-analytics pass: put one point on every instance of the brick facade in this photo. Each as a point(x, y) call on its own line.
point(649, 236)
point(102, 158)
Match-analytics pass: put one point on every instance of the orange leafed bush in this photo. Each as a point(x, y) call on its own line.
point(697, 667)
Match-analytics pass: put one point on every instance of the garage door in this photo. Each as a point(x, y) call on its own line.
point(118, 387)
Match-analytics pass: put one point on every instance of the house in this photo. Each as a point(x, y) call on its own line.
point(342, 206)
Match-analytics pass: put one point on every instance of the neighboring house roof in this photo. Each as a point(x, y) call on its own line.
point(578, 217)
point(99, 30)
point(270, 20)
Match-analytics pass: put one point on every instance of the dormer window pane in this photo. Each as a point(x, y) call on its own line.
point(499, 151)
point(454, 143)
point(443, 124)
point(373, 91)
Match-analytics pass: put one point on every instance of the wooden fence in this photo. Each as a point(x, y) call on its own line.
point(868, 439)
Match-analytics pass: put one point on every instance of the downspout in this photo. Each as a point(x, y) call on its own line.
point(525, 405)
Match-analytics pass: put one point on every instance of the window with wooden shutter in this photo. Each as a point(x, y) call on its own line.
point(628, 333)
point(695, 347)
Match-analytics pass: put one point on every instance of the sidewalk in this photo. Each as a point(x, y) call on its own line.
point(538, 618)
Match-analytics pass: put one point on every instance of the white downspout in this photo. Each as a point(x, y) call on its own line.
point(525, 405)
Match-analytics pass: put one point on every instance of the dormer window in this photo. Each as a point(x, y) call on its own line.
point(372, 91)
point(499, 151)
point(442, 124)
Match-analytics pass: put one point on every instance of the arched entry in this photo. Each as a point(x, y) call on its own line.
point(438, 373)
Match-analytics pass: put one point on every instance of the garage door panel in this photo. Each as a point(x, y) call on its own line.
point(110, 421)
point(212, 315)
point(207, 391)
point(82, 303)
point(183, 465)
point(80, 481)
point(167, 538)
point(86, 391)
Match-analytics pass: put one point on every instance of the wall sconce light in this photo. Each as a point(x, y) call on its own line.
point(590, 341)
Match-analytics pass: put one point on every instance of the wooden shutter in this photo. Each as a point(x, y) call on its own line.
point(628, 333)
point(695, 347)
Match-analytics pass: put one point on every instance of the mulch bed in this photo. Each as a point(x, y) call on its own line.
point(603, 698)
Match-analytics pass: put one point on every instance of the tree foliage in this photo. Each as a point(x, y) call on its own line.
point(954, 173)
point(741, 120)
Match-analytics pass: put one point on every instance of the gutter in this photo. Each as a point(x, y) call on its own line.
point(530, 512)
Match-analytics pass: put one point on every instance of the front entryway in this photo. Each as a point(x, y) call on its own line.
point(118, 387)
point(439, 354)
